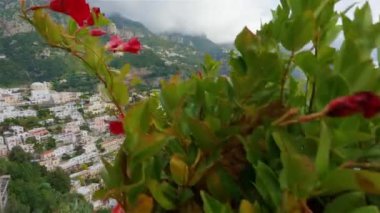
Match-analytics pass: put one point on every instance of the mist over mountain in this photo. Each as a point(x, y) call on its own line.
point(24, 58)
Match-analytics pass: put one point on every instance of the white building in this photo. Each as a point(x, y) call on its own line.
point(72, 127)
point(12, 141)
point(40, 133)
point(64, 111)
point(50, 163)
point(17, 129)
point(113, 144)
point(3, 147)
point(99, 124)
point(40, 93)
point(27, 148)
point(79, 160)
point(67, 138)
point(58, 152)
point(88, 191)
point(64, 97)
point(12, 112)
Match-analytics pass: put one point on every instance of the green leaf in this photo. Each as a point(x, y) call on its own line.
point(366, 209)
point(148, 146)
point(159, 195)
point(246, 41)
point(211, 205)
point(72, 26)
point(308, 63)
point(267, 184)
point(346, 202)
point(248, 207)
point(221, 184)
point(323, 153)
point(298, 174)
point(345, 179)
point(211, 67)
point(298, 31)
point(54, 31)
point(203, 167)
point(179, 170)
point(203, 135)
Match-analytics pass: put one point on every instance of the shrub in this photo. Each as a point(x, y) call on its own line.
point(262, 139)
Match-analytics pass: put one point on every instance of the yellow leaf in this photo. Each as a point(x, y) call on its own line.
point(144, 204)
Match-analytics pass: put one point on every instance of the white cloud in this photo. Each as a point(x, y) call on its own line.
point(220, 20)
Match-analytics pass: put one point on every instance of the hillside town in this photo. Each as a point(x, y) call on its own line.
point(60, 129)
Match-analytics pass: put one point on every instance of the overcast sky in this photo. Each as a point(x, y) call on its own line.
point(219, 20)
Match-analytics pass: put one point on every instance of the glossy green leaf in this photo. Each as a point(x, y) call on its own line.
point(298, 31)
point(210, 67)
point(203, 135)
point(246, 41)
point(308, 63)
point(298, 175)
point(179, 170)
point(158, 193)
point(366, 209)
point(211, 205)
point(221, 185)
point(346, 202)
point(267, 184)
point(323, 153)
point(148, 146)
point(345, 179)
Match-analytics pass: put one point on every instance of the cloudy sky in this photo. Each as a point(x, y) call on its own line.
point(219, 20)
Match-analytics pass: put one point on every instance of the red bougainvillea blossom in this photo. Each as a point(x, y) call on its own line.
point(79, 10)
point(113, 43)
point(116, 127)
point(117, 44)
point(118, 209)
point(366, 103)
point(97, 32)
point(95, 11)
point(132, 46)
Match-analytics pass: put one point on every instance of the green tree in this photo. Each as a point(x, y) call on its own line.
point(38, 148)
point(50, 143)
point(17, 154)
point(43, 114)
point(31, 140)
point(15, 206)
point(59, 180)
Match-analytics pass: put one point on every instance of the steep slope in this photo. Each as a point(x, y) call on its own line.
point(24, 57)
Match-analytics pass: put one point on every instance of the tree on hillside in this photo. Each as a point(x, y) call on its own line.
point(18, 155)
point(59, 180)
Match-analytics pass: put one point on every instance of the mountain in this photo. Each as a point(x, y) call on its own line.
point(24, 58)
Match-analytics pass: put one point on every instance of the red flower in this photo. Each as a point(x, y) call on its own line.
point(116, 127)
point(114, 43)
point(366, 103)
point(118, 209)
point(97, 32)
point(79, 10)
point(132, 46)
point(95, 11)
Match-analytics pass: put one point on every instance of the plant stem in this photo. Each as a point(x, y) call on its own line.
point(314, 81)
point(313, 87)
point(285, 75)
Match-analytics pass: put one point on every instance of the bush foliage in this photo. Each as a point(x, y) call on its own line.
point(217, 143)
